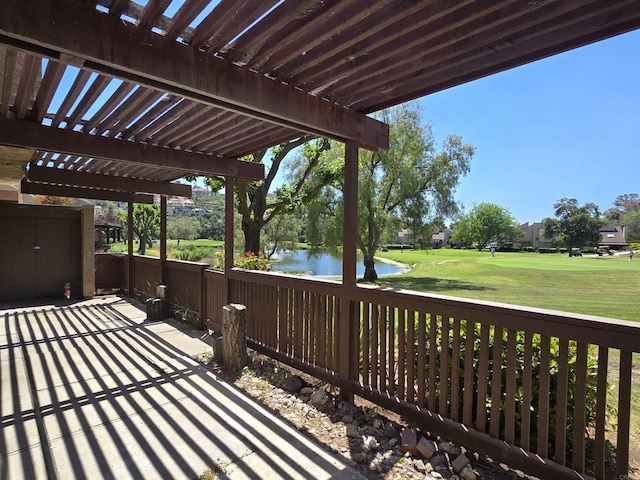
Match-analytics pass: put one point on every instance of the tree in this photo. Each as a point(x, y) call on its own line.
point(258, 206)
point(283, 231)
point(411, 183)
point(182, 228)
point(628, 202)
point(146, 222)
point(485, 223)
point(576, 226)
point(631, 221)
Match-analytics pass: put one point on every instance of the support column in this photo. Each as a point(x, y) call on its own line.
point(348, 340)
point(130, 246)
point(88, 252)
point(163, 239)
point(229, 211)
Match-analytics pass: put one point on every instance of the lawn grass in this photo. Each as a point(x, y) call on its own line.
point(604, 286)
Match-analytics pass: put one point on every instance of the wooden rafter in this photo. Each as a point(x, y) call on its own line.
point(34, 188)
point(31, 135)
point(110, 182)
point(107, 45)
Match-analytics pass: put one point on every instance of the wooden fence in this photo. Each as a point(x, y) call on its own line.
point(524, 385)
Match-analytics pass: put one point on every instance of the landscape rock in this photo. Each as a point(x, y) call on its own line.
point(426, 448)
point(352, 430)
point(319, 398)
point(370, 443)
point(293, 384)
point(306, 390)
point(409, 441)
point(390, 431)
point(459, 463)
point(467, 473)
point(419, 465)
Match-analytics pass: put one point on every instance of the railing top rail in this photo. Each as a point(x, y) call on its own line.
point(611, 332)
point(329, 287)
point(185, 264)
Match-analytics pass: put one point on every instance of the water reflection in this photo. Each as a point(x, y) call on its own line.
point(322, 263)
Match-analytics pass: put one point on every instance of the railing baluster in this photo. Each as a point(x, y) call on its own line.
point(321, 339)
point(483, 372)
point(455, 370)
point(366, 335)
point(402, 315)
point(601, 413)
point(496, 383)
point(422, 358)
point(469, 354)
point(624, 415)
point(525, 407)
point(579, 407)
point(411, 356)
point(510, 388)
point(283, 340)
point(391, 362)
point(298, 323)
point(383, 346)
point(433, 355)
point(444, 365)
point(542, 445)
point(561, 406)
point(375, 346)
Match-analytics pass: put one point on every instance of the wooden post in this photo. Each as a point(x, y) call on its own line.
point(229, 211)
point(234, 336)
point(348, 342)
point(163, 239)
point(131, 280)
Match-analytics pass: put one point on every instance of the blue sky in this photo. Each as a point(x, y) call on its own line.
point(566, 126)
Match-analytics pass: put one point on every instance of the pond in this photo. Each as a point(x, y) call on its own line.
point(323, 263)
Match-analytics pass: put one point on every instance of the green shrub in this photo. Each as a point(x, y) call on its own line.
point(249, 261)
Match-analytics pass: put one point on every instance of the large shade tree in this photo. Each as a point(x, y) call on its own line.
point(411, 183)
point(258, 203)
point(574, 225)
point(486, 223)
point(146, 224)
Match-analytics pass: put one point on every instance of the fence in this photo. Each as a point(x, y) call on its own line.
point(524, 385)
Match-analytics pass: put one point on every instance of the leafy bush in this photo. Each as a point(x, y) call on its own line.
point(547, 250)
point(249, 261)
point(190, 253)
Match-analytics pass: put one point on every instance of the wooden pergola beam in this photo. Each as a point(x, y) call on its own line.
point(19, 133)
point(35, 188)
point(109, 182)
point(106, 44)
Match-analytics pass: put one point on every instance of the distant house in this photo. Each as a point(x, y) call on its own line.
point(441, 238)
point(533, 236)
point(614, 236)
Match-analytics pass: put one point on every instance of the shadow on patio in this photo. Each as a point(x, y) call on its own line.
point(92, 390)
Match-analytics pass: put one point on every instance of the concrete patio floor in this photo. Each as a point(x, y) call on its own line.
point(91, 390)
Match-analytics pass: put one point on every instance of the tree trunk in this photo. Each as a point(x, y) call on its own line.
point(251, 237)
point(142, 248)
point(370, 274)
point(234, 336)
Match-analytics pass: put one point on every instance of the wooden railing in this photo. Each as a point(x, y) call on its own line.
point(530, 387)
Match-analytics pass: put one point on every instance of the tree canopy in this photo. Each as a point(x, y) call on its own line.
point(410, 184)
point(146, 223)
point(182, 228)
point(574, 225)
point(486, 223)
point(258, 204)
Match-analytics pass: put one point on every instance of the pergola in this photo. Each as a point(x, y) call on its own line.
point(115, 100)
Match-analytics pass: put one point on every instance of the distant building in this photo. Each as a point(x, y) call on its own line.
point(441, 238)
point(613, 236)
point(533, 236)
